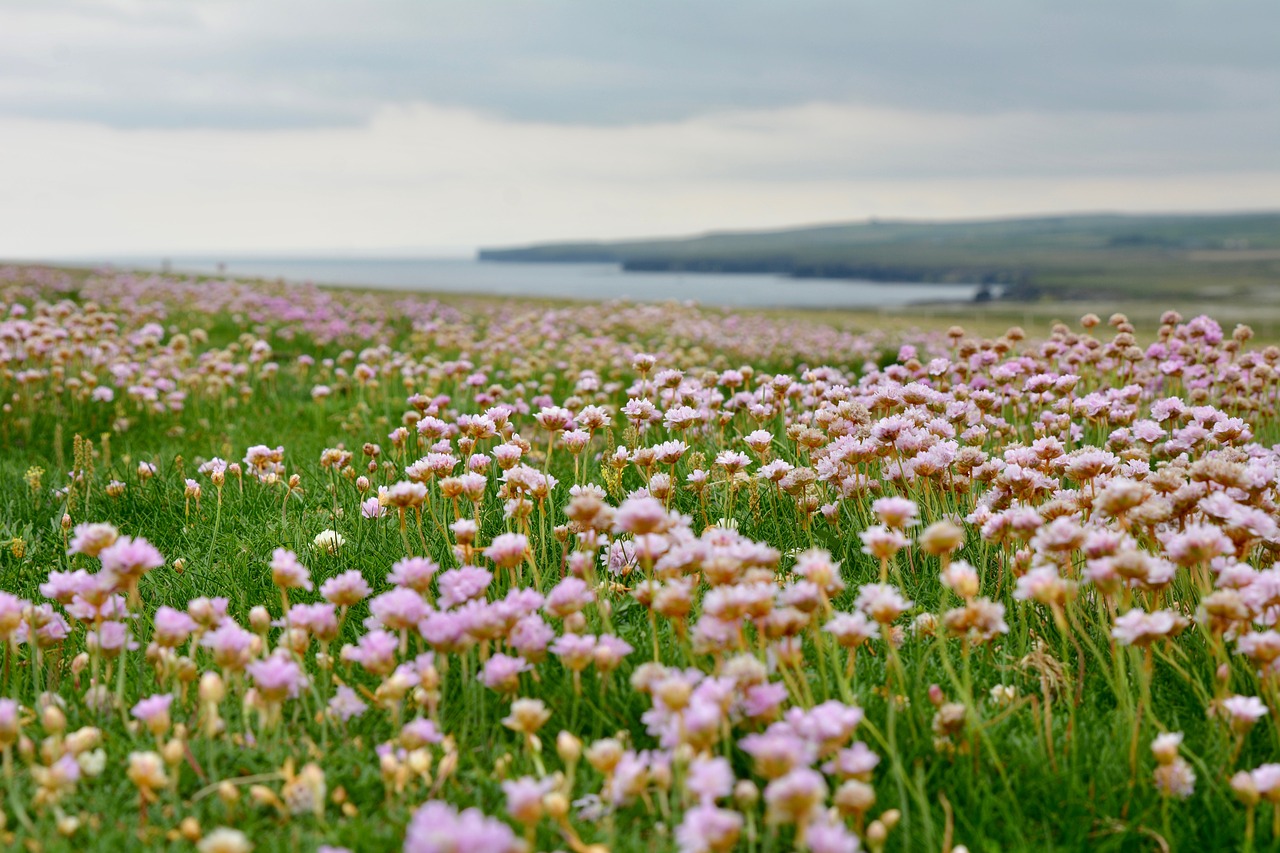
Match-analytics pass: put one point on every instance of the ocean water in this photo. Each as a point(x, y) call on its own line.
point(573, 281)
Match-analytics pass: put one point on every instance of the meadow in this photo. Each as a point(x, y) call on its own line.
point(284, 568)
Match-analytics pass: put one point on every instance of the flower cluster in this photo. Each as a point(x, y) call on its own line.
point(623, 577)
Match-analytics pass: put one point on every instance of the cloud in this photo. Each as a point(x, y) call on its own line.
point(293, 63)
point(428, 175)
point(328, 125)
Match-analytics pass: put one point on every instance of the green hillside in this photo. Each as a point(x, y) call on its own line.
point(1061, 257)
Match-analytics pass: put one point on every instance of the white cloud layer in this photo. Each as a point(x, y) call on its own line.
point(426, 176)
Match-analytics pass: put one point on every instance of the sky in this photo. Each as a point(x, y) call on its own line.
point(426, 126)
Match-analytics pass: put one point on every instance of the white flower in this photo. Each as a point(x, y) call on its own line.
point(224, 840)
point(92, 763)
point(329, 540)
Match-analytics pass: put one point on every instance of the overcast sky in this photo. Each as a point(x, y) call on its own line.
point(170, 126)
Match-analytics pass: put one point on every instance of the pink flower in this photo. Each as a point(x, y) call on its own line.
point(277, 677)
point(795, 796)
point(825, 835)
point(828, 725)
point(287, 572)
point(62, 587)
point(1139, 628)
point(554, 419)
point(153, 711)
point(463, 584)
point(530, 637)
point(10, 721)
point(97, 607)
point(641, 515)
point(414, 573)
point(882, 602)
point(732, 461)
point(508, 550)
point(1243, 711)
point(418, 732)
point(524, 797)
point(706, 828)
point(852, 629)
point(777, 750)
point(345, 589)
point(575, 651)
point(172, 627)
point(569, 596)
point(502, 673)
point(208, 612)
point(854, 762)
point(446, 630)
point(437, 827)
point(375, 651)
point(346, 704)
point(112, 638)
point(89, 539)
point(128, 559)
point(961, 578)
point(319, 620)
point(51, 627)
point(1197, 544)
point(709, 779)
point(762, 701)
point(881, 542)
point(610, 651)
point(895, 512)
point(399, 609)
point(230, 644)
point(11, 608)
point(817, 566)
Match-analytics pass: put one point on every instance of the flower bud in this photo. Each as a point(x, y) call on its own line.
point(83, 739)
point(212, 689)
point(260, 619)
point(1245, 789)
point(189, 829)
point(228, 793)
point(53, 720)
point(568, 747)
point(941, 537)
point(854, 797)
point(557, 805)
point(604, 754)
point(674, 692)
point(419, 761)
point(746, 794)
point(173, 752)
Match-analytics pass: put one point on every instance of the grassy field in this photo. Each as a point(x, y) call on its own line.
point(1082, 565)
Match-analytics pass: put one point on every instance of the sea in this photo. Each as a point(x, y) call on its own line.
point(593, 281)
